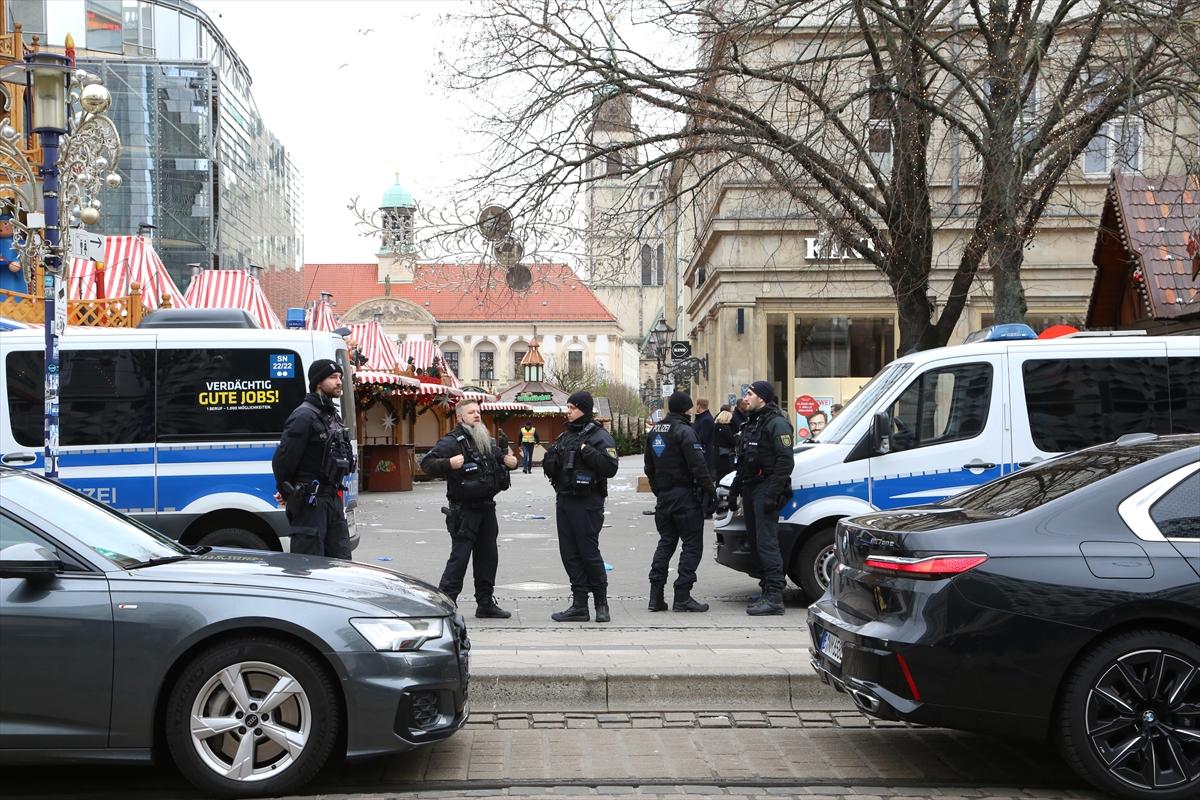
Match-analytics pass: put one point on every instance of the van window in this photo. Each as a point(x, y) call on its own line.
point(1074, 403)
point(1185, 394)
point(227, 394)
point(105, 397)
point(945, 404)
point(1177, 513)
point(864, 402)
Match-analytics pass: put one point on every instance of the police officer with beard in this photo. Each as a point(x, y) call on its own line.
point(311, 463)
point(679, 478)
point(476, 470)
point(579, 464)
point(764, 479)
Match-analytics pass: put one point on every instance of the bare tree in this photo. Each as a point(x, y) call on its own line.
point(883, 122)
point(588, 378)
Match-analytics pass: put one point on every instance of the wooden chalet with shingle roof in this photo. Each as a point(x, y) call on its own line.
point(1147, 255)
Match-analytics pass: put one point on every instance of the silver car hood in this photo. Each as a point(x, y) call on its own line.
point(283, 574)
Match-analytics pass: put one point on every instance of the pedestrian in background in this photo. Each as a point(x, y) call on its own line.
point(835, 409)
point(529, 440)
point(764, 480)
point(725, 443)
point(579, 464)
point(311, 463)
point(739, 414)
point(705, 430)
point(684, 492)
point(476, 470)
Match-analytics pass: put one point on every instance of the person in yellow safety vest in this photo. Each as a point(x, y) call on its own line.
point(529, 438)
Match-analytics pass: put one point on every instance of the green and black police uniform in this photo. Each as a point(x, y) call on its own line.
point(676, 467)
point(470, 515)
point(311, 464)
point(579, 464)
point(764, 480)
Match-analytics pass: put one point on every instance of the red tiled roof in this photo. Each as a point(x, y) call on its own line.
point(452, 292)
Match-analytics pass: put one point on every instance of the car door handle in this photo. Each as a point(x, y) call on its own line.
point(12, 459)
point(977, 464)
point(1029, 463)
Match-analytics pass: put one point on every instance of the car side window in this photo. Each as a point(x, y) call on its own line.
point(13, 531)
point(1177, 513)
point(945, 404)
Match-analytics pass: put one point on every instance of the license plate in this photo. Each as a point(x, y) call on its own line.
point(831, 646)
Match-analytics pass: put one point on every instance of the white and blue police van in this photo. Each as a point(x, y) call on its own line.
point(174, 426)
point(935, 423)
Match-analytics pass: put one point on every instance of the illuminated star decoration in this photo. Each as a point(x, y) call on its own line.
point(389, 422)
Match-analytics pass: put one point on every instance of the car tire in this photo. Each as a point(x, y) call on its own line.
point(1121, 710)
point(813, 563)
point(233, 537)
point(234, 682)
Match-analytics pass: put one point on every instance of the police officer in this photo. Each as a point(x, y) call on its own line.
point(312, 461)
point(679, 478)
point(764, 479)
point(579, 464)
point(476, 470)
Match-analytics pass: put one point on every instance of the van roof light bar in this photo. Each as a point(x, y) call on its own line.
point(1005, 332)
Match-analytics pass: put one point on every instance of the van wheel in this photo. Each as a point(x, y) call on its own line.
point(812, 566)
point(233, 537)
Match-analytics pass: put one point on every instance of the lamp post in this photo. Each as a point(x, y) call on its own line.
point(83, 148)
point(660, 337)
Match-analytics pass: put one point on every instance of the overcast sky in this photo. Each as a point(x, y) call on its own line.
point(346, 87)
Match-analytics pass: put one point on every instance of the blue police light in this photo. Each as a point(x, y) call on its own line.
point(295, 318)
point(1009, 331)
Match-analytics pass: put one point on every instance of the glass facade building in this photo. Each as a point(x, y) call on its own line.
point(197, 163)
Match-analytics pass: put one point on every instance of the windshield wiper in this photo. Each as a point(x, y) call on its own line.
point(154, 562)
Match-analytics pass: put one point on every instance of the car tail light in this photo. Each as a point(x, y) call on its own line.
point(931, 567)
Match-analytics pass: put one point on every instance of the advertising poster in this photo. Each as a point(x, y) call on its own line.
point(812, 415)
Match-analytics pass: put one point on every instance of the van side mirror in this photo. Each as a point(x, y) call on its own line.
point(30, 561)
point(881, 433)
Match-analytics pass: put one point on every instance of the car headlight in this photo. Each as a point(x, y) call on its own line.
point(391, 635)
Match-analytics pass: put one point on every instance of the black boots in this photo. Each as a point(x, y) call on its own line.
point(578, 611)
point(601, 607)
point(769, 604)
point(658, 601)
point(685, 602)
point(490, 610)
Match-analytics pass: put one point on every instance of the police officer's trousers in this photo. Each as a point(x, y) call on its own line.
point(678, 517)
point(473, 532)
point(761, 507)
point(580, 518)
point(319, 529)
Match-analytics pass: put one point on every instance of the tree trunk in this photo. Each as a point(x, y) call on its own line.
point(1008, 295)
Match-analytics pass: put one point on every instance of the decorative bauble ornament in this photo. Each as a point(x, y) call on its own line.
point(95, 204)
point(9, 133)
point(14, 266)
point(95, 99)
point(100, 163)
point(89, 216)
point(112, 180)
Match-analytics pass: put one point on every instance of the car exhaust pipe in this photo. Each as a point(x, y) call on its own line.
point(864, 701)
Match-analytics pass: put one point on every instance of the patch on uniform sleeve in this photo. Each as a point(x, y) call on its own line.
point(697, 446)
point(612, 451)
point(659, 445)
point(785, 439)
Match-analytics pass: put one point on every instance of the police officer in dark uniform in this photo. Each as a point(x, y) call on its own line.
point(476, 470)
point(764, 479)
point(579, 464)
point(679, 478)
point(311, 463)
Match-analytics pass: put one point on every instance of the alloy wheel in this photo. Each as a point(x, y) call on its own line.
point(250, 721)
point(1143, 719)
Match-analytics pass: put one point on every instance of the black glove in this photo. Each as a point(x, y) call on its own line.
point(782, 498)
point(732, 501)
point(708, 502)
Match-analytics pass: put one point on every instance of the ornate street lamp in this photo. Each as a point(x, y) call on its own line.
point(82, 149)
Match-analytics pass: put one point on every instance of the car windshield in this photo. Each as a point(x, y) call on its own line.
point(863, 402)
point(1036, 486)
point(111, 535)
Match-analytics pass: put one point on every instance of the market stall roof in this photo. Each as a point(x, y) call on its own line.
point(322, 318)
point(230, 288)
point(384, 378)
point(375, 345)
point(502, 406)
point(422, 352)
point(127, 260)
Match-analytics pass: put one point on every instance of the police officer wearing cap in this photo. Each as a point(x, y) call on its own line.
point(579, 464)
point(764, 480)
point(679, 477)
point(311, 463)
point(476, 470)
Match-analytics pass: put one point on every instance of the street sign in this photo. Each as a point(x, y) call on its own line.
point(668, 389)
point(732, 399)
point(680, 350)
point(87, 245)
point(60, 305)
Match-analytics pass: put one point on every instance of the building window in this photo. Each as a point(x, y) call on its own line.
point(451, 359)
point(518, 357)
point(612, 164)
point(487, 365)
point(879, 126)
point(31, 14)
point(104, 25)
point(842, 347)
point(647, 265)
point(1116, 146)
point(575, 363)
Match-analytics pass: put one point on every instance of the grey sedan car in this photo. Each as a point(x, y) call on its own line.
point(248, 668)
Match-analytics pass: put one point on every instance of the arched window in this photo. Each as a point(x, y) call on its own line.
point(612, 164)
point(647, 265)
point(451, 354)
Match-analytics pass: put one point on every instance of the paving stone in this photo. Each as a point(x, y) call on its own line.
point(512, 715)
point(784, 722)
point(582, 722)
point(647, 722)
point(551, 717)
point(715, 722)
point(512, 724)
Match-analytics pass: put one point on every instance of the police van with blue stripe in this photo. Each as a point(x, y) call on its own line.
point(173, 426)
point(935, 423)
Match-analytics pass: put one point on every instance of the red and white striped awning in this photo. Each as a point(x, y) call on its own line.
point(422, 352)
point(322, 318)
point(384, 378)
point(230, 288)
point(439, 388)
point(375, 345)
point(127, 260)
point(505, 406)
point(479, 397)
